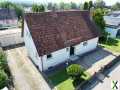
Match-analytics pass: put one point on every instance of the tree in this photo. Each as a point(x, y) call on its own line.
point(5, 4)
point(38, 8)
point(116, 6)
point(73, 5)
point(90, 4)
point(55, 7)
point(19, 10)
point(61, 5)
point(50, 6)
point(65, 6)
point(99, 4)
point(86, 6)
point(99, 20)
point(80, 6)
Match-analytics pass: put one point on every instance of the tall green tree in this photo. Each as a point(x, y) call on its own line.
point(61, 4)
point(67, 6)
point(99, 4)
point(86, 6)
point(19, 10)
point(50, 6)
point(99, 20)
point(38, 8)
point(116, 6)
point(73, 5)
point(55, 7)
point(90, 4)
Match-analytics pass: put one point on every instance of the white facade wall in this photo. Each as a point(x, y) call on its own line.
point(31, 49)
point(91, 45)
point(58, 57)
point(63, 55)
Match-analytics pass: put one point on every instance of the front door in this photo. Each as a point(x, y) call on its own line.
point(72, 50)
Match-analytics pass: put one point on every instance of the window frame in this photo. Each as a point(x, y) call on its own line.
point(49, 56)
point(85, 43)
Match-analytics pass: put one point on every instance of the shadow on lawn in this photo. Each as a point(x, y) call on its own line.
point(58, 77)
point(111, 42)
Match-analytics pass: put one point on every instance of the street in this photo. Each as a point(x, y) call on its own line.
point(114, 75)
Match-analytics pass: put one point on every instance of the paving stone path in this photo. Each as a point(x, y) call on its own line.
point(25, 75)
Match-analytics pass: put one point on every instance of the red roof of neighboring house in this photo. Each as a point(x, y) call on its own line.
point(52, 31)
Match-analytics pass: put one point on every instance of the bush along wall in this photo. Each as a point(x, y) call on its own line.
point(4, 71)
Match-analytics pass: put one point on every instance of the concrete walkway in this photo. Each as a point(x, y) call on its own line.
point(25, 75)
point(95, 60)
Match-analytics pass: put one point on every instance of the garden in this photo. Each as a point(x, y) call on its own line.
point(5, 80)
point(112, 44)
point(69, 78)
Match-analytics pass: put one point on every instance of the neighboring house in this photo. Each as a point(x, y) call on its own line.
point(113, 24)
point(8, 17)
point(52, 38)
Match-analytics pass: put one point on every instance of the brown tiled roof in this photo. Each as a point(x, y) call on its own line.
point(52, 31)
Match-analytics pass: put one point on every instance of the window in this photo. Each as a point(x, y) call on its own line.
point(85, 43)
point(49, 55)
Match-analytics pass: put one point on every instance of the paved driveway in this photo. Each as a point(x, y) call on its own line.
point(25, 75)
point(95, 60)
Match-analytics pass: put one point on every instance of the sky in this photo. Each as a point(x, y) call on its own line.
point(108, 2)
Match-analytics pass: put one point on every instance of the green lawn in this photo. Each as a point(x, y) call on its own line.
point(112, 44)
point(61, 80)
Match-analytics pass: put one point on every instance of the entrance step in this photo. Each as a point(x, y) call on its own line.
point(73, 58)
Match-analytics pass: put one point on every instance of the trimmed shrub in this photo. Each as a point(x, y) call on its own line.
point(74, 70)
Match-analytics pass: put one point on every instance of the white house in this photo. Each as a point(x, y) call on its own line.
point(52, 38)
point(113, 24)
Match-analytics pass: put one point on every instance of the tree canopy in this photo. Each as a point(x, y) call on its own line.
point(73, 5)
point(99, 4)
point(116, 6)
point(38, 8)
point(90, 4)
point(86, 6)
point(99, 20)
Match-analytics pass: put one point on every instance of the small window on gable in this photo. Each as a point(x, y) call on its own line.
point(85, 43)
point(49, 55)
